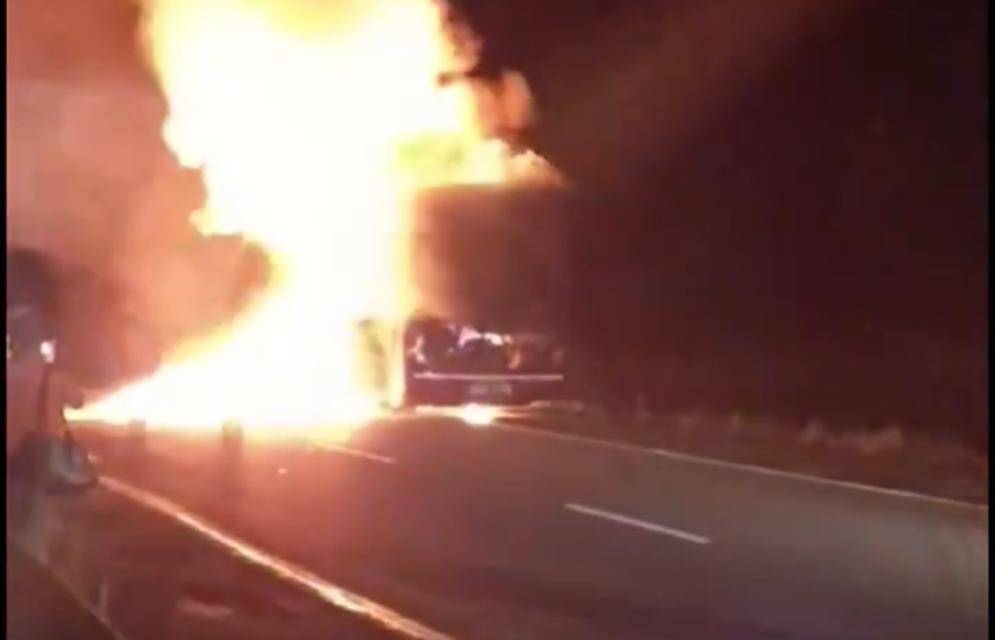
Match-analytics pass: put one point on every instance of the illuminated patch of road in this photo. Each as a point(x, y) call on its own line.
point(639, 524)
point(475, 416)
point(282, 569)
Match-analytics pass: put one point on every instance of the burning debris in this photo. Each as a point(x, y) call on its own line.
point(315, 126)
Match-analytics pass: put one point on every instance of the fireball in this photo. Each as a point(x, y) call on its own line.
point(314, 125)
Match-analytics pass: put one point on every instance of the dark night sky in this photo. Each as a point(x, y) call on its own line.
point(766, 173)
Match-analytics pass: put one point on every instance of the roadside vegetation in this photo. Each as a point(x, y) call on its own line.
point(890, 455)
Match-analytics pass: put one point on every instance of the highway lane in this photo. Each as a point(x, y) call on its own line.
point(499, 533)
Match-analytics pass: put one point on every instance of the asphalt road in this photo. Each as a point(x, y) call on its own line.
point(504, 533)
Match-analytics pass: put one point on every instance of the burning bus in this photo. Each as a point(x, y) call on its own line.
point(486, 263)
point(490, 260)
point(448, 363)
point(438, 362)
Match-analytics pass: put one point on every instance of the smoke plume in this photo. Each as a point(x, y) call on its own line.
point(93, 189)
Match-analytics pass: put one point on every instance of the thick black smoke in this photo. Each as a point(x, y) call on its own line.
point(493, 256)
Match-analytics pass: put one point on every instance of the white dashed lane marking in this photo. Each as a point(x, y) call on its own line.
point(637, 523)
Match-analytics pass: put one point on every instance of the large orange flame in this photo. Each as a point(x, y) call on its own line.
point(314, 125)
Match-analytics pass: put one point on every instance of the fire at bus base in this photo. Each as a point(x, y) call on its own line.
point(314, 126)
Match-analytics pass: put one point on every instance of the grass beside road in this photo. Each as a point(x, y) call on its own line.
point(890, 457)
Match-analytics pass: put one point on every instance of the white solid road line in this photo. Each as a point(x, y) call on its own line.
point(330, 593)
point(843, 484)
point(739, 466)
point(357, 453)
point(635, 522)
